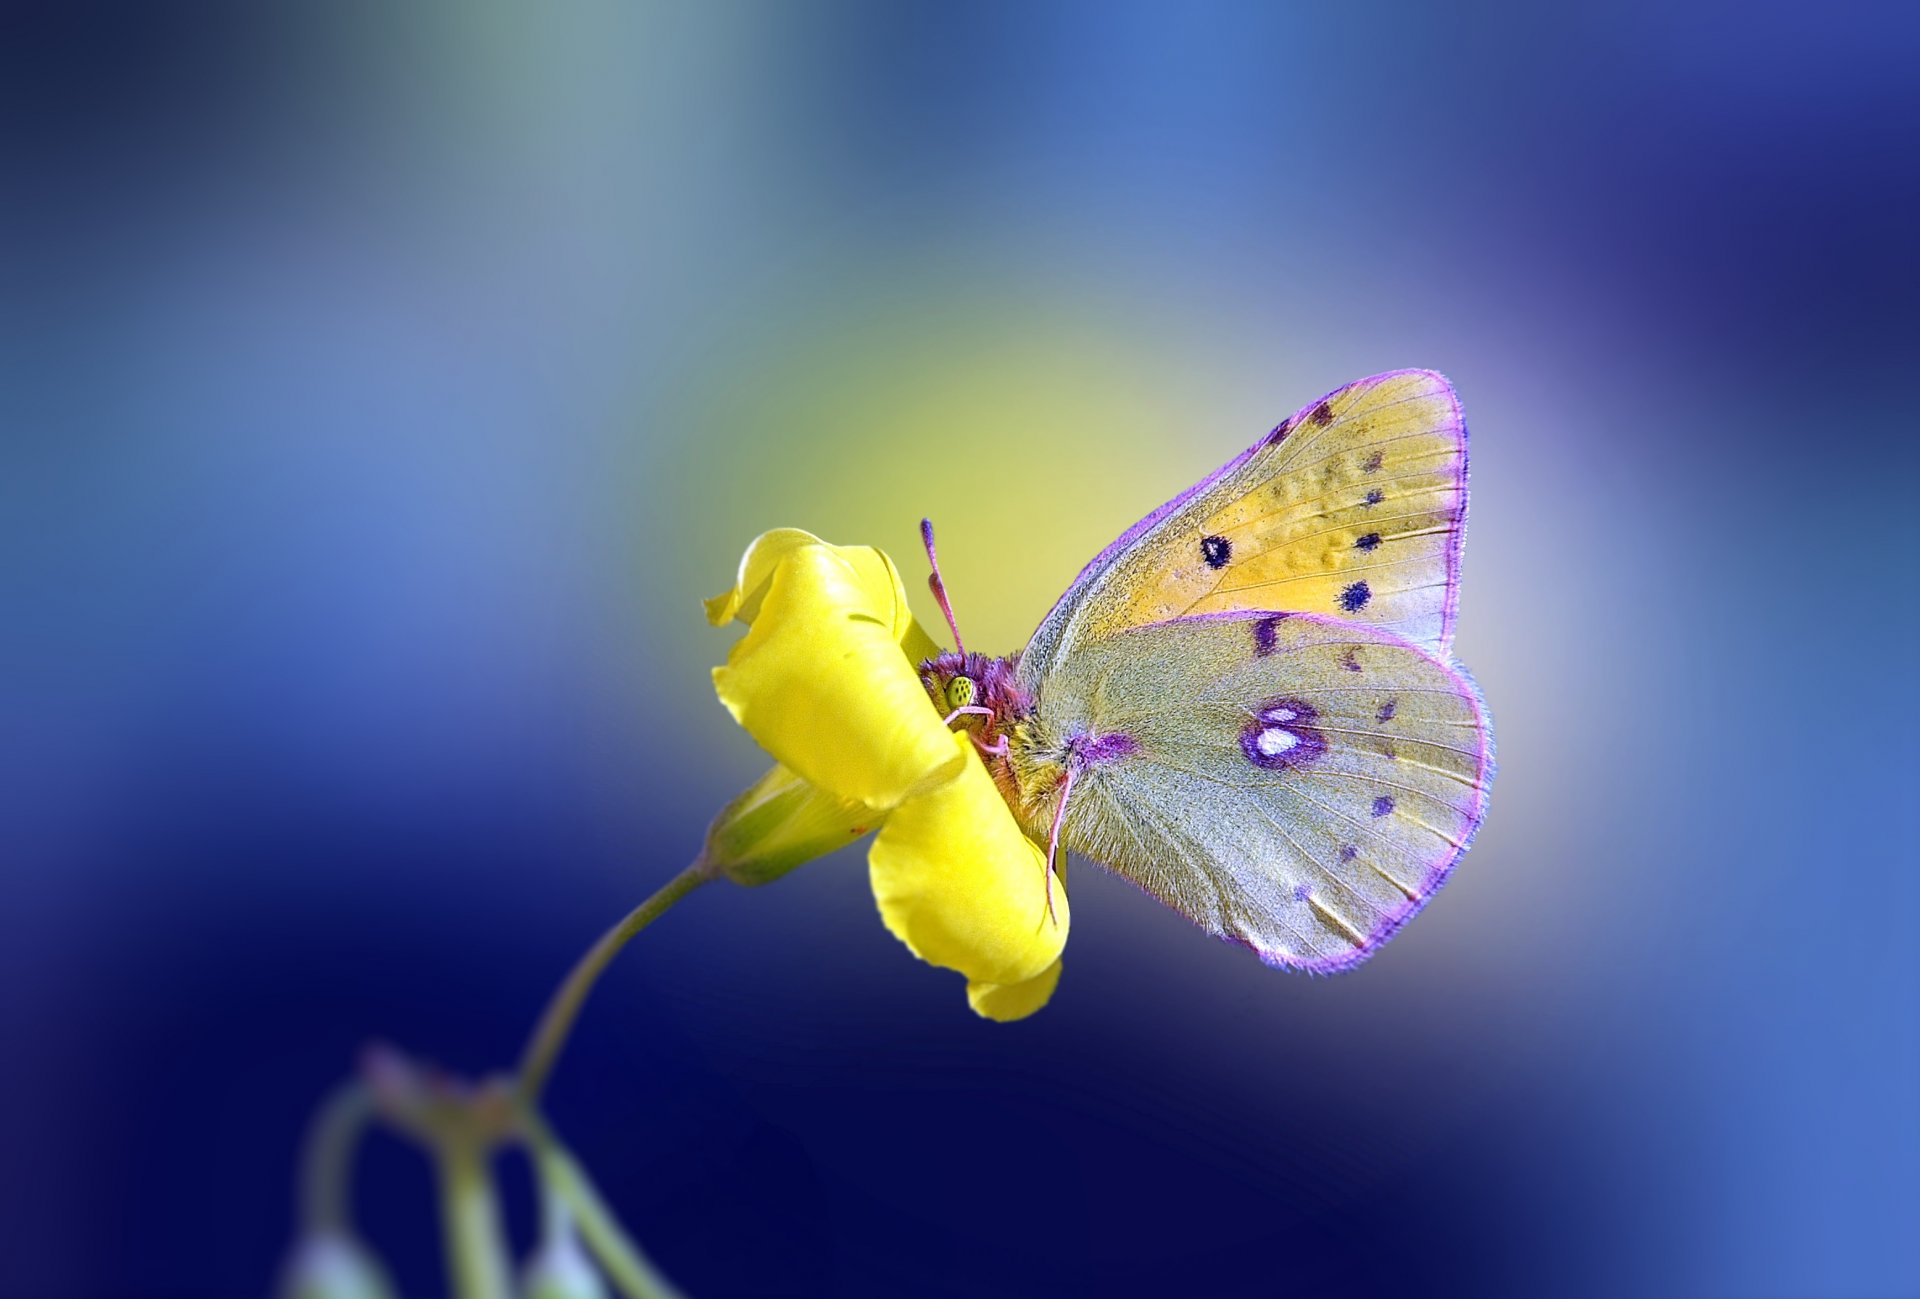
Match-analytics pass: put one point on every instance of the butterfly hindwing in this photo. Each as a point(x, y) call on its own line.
point(1353, 506)
point(1298, 783)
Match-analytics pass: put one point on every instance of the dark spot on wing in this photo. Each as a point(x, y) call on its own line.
point(1354, 598)
point(1266, 634)
point(1281, 735)
point(1280, 432)
point(1349, 852)
point(1301, 892)
point(1351, 660)
point(1216, 551)
point(1387, 710)
point(1374, 462)
point(1322, 414)
point(1382, 805)
point(1367, 542)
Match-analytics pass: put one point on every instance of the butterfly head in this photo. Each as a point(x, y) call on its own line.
point(960, 679)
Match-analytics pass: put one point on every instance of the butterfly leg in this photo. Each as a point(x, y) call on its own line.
point(964, 711)
point(1053, 839)
point(998, 749)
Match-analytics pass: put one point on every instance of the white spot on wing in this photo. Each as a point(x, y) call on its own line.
point(1275, 740)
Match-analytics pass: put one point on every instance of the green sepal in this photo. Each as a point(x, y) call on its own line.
point(779, 823)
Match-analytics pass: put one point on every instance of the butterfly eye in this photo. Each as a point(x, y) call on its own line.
point(960, 692)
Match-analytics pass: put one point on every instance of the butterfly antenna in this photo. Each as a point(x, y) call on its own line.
point(937, 586)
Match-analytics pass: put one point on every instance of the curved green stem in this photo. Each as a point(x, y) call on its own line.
point(562, 1178)
point(550, 1034)
point(470, 1217)
point(326, 1164)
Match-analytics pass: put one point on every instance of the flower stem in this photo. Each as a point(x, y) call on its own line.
point(563, 1178)
point(550, 1034)
point(327, 1162)
point(470, 1217)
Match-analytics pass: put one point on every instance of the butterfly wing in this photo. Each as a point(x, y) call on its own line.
point(1298, 783)
point(1355, 505)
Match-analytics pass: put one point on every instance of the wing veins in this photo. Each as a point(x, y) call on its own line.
point(1233, 910)
point(1371, 444)
point(1318, 577)
point(1349, 416)
point(1260, 806)
point(1400, 739)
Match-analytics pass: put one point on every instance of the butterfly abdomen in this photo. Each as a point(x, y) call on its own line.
point(1029, 775)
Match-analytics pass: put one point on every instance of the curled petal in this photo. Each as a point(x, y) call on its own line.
point(1010, 1001)
point(959, 883)
point(823, 678)
point(762, 557)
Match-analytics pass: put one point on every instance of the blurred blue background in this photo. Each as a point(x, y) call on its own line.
point(382, 385)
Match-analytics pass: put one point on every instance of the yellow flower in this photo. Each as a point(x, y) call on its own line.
point(827, 680)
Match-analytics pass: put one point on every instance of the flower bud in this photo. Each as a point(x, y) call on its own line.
point(334, 1265)
point(559, 1269)
point(779, 823)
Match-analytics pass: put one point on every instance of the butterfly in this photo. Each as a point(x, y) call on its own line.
point(1246, 705)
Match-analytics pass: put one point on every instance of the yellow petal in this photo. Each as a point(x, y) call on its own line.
point(756, 572)
point(821, 678)
point(1006, 1002)
point(874, 567)
point(779, 823)
point(959, 883)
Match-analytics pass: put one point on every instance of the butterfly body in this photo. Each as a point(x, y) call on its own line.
point(1246, 704)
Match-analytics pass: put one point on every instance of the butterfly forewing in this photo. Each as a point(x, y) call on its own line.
point(1300, 783)
point(1353, 506)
